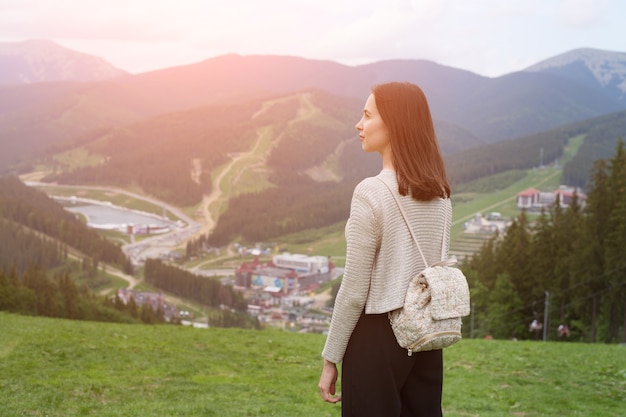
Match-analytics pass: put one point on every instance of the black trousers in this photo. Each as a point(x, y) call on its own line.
point(379, 379)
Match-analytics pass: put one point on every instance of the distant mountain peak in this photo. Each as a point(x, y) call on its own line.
point(40, 60)
point(607, 67)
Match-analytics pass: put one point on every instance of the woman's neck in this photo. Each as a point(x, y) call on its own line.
point(388, 164)
point(387, 158)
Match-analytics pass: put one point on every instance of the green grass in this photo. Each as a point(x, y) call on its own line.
point(324, 241)
point(51, 367)
point(251, 174)
point(78, 158)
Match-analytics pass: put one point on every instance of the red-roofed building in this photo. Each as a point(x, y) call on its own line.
point(533, 200)
point(527, 198)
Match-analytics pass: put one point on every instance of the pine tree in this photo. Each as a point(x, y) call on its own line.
point(567, 230)
point(69, 294)
point(588, 264)
point(506, 318)
point(543, 254)
point(513, 255)
point(132, 307)
point(615, 245)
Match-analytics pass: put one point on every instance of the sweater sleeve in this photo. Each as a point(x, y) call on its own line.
point(362, 241)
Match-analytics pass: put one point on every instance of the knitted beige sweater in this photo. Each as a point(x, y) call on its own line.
point(381, 257)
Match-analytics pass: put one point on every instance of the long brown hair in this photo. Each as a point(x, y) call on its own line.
point(417, 159)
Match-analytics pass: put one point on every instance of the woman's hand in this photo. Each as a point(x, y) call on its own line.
point(328, 382)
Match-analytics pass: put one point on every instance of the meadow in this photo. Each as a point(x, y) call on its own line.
point(51, 367)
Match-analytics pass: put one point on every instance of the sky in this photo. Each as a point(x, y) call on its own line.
point(488, 37)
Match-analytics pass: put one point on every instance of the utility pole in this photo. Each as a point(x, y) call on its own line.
point(472, 322)
point(593, 318)
point(545, 316)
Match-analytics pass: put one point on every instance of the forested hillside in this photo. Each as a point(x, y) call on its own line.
point(20, 248)
point(600, 141)
point(157, 155)
point(49, 261)
point(601, 136)
point(37, 230)
point(567, 265)
point(299, 203)
point(326, 139)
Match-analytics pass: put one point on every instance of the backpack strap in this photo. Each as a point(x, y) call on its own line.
point(443, 262)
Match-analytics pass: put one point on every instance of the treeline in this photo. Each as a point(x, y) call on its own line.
point(206, 291)
point(569, 265)
point(34, 293)
point(32, 208)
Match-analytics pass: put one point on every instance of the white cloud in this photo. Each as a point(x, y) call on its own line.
point(490, 37)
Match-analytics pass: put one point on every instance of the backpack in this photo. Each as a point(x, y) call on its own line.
point(436, 300)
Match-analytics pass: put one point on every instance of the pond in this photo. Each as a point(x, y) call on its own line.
point(104, 216)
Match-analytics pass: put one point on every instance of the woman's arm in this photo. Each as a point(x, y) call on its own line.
point(362, 236)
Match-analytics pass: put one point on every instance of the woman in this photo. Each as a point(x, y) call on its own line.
point(378, 377)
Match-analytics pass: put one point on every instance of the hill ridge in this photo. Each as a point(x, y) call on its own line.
point(42, 60)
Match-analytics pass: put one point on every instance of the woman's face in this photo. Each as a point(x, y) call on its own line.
point(373, 132)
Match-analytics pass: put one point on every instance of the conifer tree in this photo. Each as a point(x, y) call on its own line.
point(483, 262)
point(69, 294)
point(615, 245)
point(567, 230)
point(542, 254)
point(506, 318)
point(512, 257)
point(147, 314)
point(132, 307)
point(588, 264)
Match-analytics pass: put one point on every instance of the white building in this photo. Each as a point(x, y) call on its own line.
point(302, 263)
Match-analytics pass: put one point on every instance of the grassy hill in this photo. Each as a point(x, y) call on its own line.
point(51, 367)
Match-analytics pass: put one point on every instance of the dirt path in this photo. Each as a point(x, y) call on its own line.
point(214, 198)
point(132, 281)
point(212, 202)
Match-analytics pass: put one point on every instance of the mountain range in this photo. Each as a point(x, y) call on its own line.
point(35, 61)
point(153, 129)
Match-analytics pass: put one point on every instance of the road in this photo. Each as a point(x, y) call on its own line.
point(150, 247)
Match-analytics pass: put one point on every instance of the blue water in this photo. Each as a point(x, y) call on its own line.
point(103, 216)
